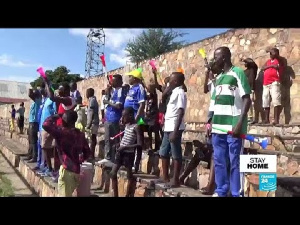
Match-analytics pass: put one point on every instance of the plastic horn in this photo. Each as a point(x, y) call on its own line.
point(152, 64)
point(263, 142)
point(118, 135)
point(203, 55)
point(40, 70)
point(140, 122)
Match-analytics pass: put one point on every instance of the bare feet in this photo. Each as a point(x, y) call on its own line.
point(181, 180)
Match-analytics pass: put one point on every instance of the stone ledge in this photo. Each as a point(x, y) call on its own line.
point(11, 157)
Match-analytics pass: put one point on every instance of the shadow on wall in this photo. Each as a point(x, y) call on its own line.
point(286, 83)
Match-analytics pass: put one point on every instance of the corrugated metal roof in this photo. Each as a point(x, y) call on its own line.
point(11, 100)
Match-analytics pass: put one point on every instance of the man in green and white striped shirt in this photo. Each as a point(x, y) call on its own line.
point(231, 99)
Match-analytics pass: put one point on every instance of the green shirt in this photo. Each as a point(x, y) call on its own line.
point(227, 100)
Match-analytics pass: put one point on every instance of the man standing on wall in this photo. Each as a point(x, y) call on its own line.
point(113, 115)
point(251, 72)
point(65, 103)
point(136, 99)
point(74, 92)
point(173, 129)
point(92, 119)
point(273, 70)
point(33, 125)
point(231, 104)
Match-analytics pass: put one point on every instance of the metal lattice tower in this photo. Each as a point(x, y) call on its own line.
point(95, 48)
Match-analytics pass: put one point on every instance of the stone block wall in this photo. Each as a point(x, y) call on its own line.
point(243, 43)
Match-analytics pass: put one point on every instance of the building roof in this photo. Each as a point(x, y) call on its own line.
point(11, 100)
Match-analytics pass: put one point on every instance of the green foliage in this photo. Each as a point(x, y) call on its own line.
point(152, 43)
point(6, 189)
point(58, 76)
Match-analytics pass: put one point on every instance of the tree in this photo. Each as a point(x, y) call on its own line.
point(58, 76)
point(152, 43)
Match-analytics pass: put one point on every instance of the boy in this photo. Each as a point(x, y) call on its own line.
point(81, 116)
point(92, 119)
point(173, 129)
point(103, 106)
point(74, 92)
point(136, 99)
point(13, 118)
point(65, 103)
point(33, 125)
point(209, 86)
point(273, 71)
point(126, 152)
point(152, 117)
point(47, 141)
point(21, 112)
point(72, 149)
point(113, 115)
point(251, 72)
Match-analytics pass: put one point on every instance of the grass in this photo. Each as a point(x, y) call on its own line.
point(6, 188)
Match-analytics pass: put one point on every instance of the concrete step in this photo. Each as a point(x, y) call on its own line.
point(45, 187)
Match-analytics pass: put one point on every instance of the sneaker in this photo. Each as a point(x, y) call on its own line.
point(106, 163)
point(55, 176)
point(42, 170)
point(215, 195)
point(37, 168)
point(47, 173)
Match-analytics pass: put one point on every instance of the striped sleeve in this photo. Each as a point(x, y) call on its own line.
point(242, 82)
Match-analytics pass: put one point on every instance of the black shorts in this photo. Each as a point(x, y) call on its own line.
point(21, 122)
point(125, 159)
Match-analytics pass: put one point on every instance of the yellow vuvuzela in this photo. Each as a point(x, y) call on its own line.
point(202, 53)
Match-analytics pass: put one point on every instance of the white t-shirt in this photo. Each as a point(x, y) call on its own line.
point(211, 88)
point(103, 106)
point(177, 101)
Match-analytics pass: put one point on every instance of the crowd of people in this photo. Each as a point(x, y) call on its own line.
point(60, 125)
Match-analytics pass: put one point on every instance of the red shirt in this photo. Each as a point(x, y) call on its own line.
point(271, 75)
point(72, 146)
point(62, 109)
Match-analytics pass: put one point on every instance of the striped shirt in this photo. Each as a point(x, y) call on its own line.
point(227, 100)
point(129, 137)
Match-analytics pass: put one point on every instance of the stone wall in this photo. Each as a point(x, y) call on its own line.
point(243, 43)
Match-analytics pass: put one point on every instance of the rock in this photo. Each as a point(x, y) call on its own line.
point(296, 148)
point(288, 130)
point(252, 131)
point(270, 147)
point(280, 170)
point(247, 144)
point(242, 42)
point(278, 131)
point(272, 41)
point(248, 42)
point(292, 168)
point(191, 54)
point(283, 160)
point(295, 130)
point(273, 31)
point(278, 145)
point(255, 31)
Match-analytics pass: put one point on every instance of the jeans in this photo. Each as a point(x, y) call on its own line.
point(33, 139)
point(227, 147)
point(111, 129)
point(168, 147)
